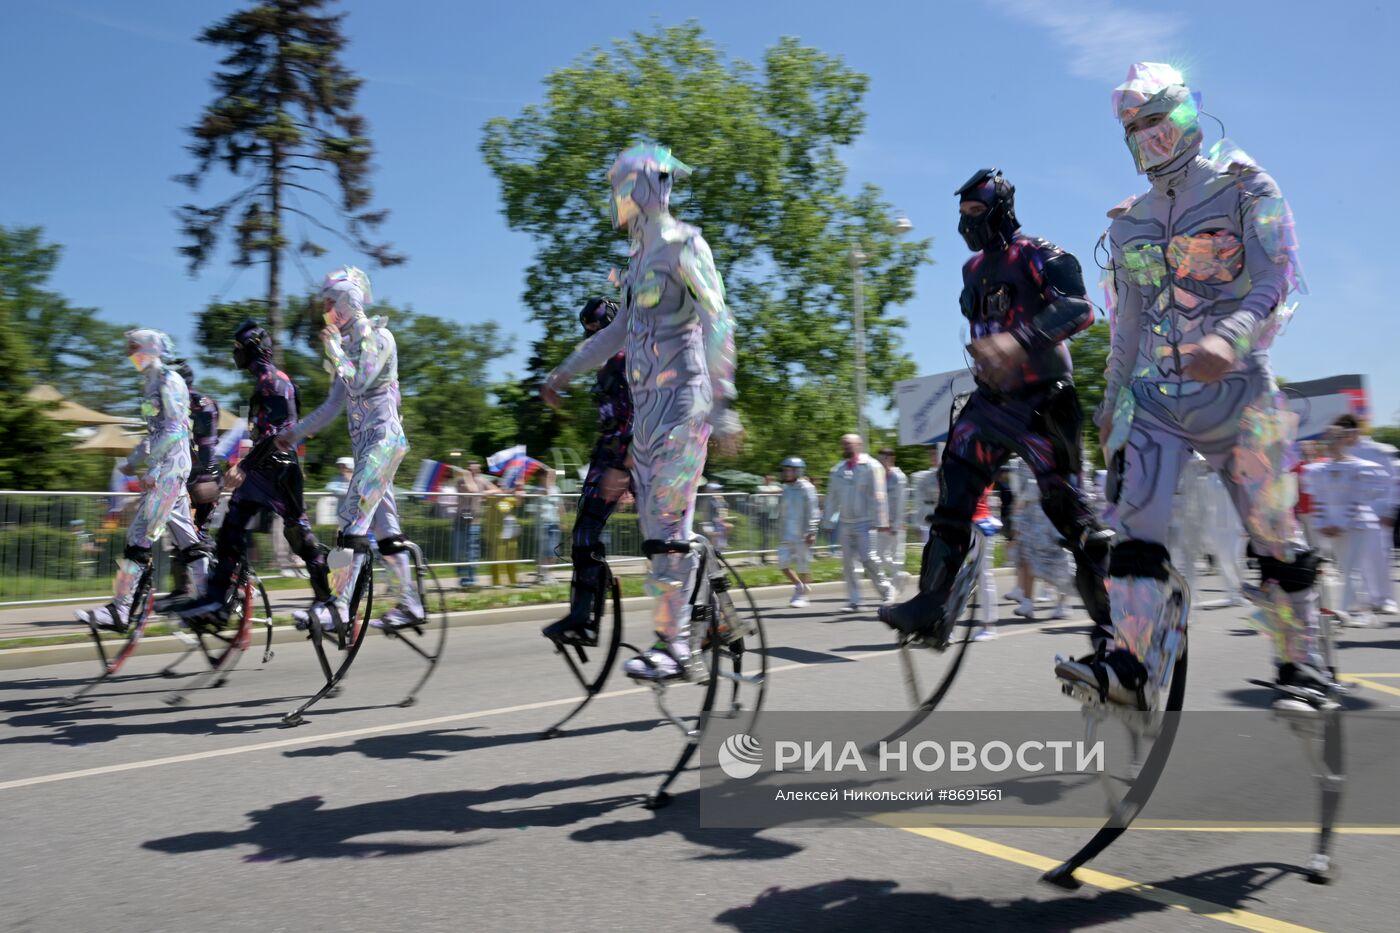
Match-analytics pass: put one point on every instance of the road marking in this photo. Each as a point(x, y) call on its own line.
point(1365, 681)
point(1232, 915)
point(394, 727)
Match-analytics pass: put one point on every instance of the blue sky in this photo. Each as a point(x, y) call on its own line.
point(98, 95)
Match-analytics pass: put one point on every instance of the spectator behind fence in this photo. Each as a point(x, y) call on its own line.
point(715, 509)
point(765, 504)
point(547, 510)
point(472, 487)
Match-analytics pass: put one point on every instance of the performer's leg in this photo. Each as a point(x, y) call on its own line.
point(969, 464)
point(866, 549)
point(602, 488)
point(850, 554)
point(665, 475)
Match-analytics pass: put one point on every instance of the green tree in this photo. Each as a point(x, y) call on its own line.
point(1089, 349)
point(35, 454)
point(771, 193)
point(284, 124)
point(69, 348)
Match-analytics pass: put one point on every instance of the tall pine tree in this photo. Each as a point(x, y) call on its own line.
point(283, 124)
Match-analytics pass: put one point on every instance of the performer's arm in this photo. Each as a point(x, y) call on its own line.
point(697, 269)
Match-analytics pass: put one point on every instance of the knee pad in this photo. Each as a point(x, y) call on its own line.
point(141, 555)
point(194, 553)
point(1291, 577)
point(357, 543)
point(393, 544)
point(1139, 559)
point(653, 547)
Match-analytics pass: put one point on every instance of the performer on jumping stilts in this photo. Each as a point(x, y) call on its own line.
point(1201, 265)
point(363, 360)
point(163, 461)
point(607, 479)
point(678, 336)
point(1024, 297)
point(268, 478)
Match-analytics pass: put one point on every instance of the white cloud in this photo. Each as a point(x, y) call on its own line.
point(1101, 37)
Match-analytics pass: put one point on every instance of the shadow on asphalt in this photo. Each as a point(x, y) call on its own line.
point(437, 744)
point(871, 905)
point(308, 829)
point(682, 818)
point(87, 725)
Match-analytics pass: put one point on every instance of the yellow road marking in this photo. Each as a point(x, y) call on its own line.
point(1368, 683)
point(1234, 916)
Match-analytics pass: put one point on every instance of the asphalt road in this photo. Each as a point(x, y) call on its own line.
point(126, 814)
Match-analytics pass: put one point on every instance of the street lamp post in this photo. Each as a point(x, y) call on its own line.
point(858, 294)
point(856, 257)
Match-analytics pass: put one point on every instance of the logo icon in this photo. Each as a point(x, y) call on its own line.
point(740, 756)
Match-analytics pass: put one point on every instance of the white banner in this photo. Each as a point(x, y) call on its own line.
point(925, 404)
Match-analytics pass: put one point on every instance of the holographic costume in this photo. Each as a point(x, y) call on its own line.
point(598, 499)
point(364, 365)
point(272, 478)
point(678, 336)
point(1209, 250)
point(163, 461)
point(1033, 290)
point(204, 479)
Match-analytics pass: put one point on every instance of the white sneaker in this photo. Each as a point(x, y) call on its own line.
point(656, 663)
point(320, 611)
point(105, 617)
point(1015, 595)
point(887, 594)
point(1061, 611)
point(1360, 619)
point(400, 616)
point(901, 580)
point(1026, 610)
point(799, 602)
point(1389, 608)
point(985, 633)
point(850, 608)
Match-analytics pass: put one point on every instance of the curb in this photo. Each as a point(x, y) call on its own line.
point(20, 658)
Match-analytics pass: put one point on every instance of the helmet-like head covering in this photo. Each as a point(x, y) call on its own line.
point(251, 343)
point(797, 463)
point(641, 182)
point(993, 228)
point(144, 347)
point(349, 289)
point(599, 311)
point(1153, 89)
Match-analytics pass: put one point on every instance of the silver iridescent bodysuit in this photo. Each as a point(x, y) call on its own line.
point(678, 336)
point(365, 367)
point(1208, 250)
point(162, 460)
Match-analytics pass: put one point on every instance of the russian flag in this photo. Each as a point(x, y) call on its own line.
point(513, 466)
point(228, 443)
point(432, 476)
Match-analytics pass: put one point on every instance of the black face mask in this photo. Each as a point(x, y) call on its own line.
point(994, 227)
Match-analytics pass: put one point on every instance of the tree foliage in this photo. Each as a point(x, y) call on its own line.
point(69, 348)
point(771, 194)
point(284, 124)
point(1089, 350)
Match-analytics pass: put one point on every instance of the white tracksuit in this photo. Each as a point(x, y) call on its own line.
point(891, 543)
point(1345, 495)
point(855, 497)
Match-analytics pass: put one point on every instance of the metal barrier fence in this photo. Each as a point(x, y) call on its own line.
point(63, 546)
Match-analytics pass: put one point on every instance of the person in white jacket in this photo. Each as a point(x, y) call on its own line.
point(1345, 490)
point(798, 515)
point(1377, 554)
point(924, 488)
point(855, 497)
point(890, 544)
